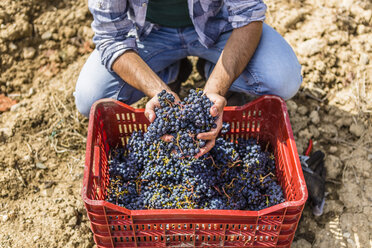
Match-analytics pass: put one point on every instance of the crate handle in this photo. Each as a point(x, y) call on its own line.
point(97, 162)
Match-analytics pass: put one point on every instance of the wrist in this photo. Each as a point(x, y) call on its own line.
point(156, 89)
point(214, 87)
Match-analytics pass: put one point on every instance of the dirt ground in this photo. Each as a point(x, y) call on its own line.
point(43, 45)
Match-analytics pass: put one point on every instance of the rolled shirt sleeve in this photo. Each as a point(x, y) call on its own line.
point(112, 29)
point(242, 13)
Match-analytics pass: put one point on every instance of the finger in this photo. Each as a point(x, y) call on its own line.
point(167, 138)
point(213, 132)
point(149, 111)
point(213, 111)
point(208, 135)
point(210, 144)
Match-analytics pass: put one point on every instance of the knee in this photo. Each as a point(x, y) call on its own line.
point(94, 83)
point(285, 83)
point(83, 99)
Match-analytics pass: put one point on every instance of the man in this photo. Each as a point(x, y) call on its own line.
point(140, 44)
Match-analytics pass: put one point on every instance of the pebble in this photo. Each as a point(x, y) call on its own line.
point(305, 134)
point(12, 46)
point(311, 47)
point(301, 243)
point(302, 110)
point(346, 235)
point(363, 58)
point(314, 131)
point(47, 35)
point(29, 52)
point(35, 238)
point(350, 241)
point(314, 117)
point(69, 32)
point(333, 165)
point(356, 129)
point(370, 156)
point(292, 106)
point(4, 217)
point(333, 149)
point(40, 166)
point(47, 192)
point(15, 107)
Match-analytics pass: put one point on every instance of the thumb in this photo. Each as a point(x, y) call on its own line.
point(214, 111)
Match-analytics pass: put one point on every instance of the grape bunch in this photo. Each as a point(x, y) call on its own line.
point(183, 120)
point(153, 174)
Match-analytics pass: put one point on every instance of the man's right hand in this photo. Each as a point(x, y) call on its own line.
point(154, 103)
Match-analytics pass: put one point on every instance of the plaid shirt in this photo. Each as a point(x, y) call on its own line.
point(118, 23)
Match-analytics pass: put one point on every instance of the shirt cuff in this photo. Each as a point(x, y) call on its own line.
point(115, 50)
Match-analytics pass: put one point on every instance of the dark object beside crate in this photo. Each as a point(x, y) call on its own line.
point(111, 124)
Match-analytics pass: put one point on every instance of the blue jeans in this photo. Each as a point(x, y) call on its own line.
point(273, 69)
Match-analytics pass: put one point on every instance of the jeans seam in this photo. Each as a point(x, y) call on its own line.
point(116, 95)
point(256, 85)
point(157, 53)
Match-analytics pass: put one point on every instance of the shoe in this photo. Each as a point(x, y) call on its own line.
point(315, 175)
point(200, 67)
point(183, 74)
point(235, 98)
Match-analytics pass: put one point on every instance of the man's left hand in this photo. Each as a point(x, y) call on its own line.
point(219, 102)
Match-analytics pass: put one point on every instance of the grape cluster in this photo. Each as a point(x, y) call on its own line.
point(153, 174)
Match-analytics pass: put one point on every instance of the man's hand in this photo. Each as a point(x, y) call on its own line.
point(235, 56)
point(219, 102)
point(154, 103)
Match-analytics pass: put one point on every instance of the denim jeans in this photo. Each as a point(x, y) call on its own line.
point(273, 69)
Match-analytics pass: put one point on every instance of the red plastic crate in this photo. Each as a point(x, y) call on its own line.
point(266, 119)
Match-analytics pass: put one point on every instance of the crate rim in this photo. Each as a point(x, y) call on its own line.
point(164, 212)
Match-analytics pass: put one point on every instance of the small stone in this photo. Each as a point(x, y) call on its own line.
point(305, 134)
point(302, 110)
point(69, 32)
point(314, 117)
point(15, 107)
point(35, 238)
point(363, 58)
point(370, 156)
point(320, 66)
point(27, 158)
point(47, 35)
point(301, 243)
point(344, 122)
point(333, 165)
point(29, 52)
point(71, 52)
point(333, 149)
point(314, 131)
point(292, 106)
point(47, 192)
point(350, 241)
point(356, 129)
point(55, 36)
point(72, 222)
point(334, 206)
point(12, 47)
point(346, 235)
point(40, 166)
point(4, 217)
point(31, 91)
point(311, 47)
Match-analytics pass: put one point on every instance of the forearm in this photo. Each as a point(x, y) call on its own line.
point(238, 50)
point(133, 70)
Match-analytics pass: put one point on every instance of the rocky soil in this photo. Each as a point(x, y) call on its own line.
point(43, 45)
